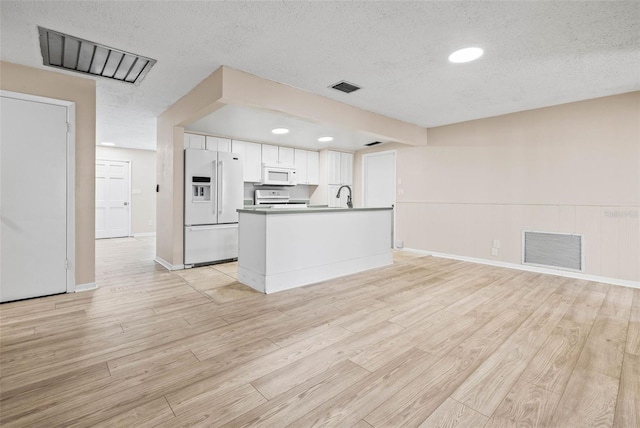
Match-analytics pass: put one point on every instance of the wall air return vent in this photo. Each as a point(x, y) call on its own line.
point(82, 56)
point(345, 87)
point(553, 250)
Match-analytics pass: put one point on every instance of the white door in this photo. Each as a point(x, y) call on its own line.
point(112, 199)
point(379, 182)
point(34, 204)
point(379, 179)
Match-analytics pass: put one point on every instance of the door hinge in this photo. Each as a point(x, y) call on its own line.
point(68, 127)
point(67, 264)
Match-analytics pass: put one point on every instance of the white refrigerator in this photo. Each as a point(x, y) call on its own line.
point(213, 191)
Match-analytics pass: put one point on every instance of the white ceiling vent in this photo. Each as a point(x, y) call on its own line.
point(554, 250)
point(82, 56)
point(345, 87)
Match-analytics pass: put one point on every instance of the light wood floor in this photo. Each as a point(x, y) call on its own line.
point(425, 342)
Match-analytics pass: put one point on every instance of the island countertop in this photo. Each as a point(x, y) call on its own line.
point(307, 210)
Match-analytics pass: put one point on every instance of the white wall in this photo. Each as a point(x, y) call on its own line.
point(143, 185)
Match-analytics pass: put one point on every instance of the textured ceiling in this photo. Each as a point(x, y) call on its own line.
point(536, 53)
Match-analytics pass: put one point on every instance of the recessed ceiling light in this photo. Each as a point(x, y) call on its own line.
point(107, 144)
point(280, 131)
point(325, 139)
point(466, 55)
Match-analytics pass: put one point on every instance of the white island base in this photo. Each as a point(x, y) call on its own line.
point(280, 249)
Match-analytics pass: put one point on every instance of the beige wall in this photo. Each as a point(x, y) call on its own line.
point(202, 100)
point(573, 168)
point(143, 184)
point(18, 78)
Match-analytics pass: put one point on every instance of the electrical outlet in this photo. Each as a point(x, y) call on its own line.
point(400, 192)
point(494, 251)
point(496, 243)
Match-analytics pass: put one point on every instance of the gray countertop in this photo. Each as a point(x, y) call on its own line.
point(308, 210)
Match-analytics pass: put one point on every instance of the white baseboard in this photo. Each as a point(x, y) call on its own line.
point(140, 235)
point(167, 265)
point(557, 272)
point(86, 287)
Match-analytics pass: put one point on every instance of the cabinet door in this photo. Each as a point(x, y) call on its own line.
point(194, 141)
point(286, 156)
point(269, 154)
point(346, 168)
point(333, 173)
point(251, 158)
point(313, 169)
point(224, 145)
point(211, 143)
point(300, 157)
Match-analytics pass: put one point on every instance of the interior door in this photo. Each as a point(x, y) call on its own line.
point(379, 182)
point(112, 199)
point(379, 179)
point(33, 209)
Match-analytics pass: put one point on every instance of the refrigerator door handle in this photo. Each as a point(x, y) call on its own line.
point(221, 185)
point(214, 199)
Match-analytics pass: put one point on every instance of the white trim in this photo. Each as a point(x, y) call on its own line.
point(529, 268)
point(71, 174)
point(86, 287)
point(140, 235)
point(166, 264)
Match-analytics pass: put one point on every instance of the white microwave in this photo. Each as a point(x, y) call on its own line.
point(278, 175)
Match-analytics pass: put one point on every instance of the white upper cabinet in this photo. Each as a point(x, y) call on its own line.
point(313, 168)
point(218, 144)
point(276, 155)
point(346, 168)
point(306, 163)
point(334, 170)
point(251, 158)
point(286, 156)
point(194, 141)
point(269, 154)
point(340, 168)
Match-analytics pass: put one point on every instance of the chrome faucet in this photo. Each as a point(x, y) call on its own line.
point(349, 201)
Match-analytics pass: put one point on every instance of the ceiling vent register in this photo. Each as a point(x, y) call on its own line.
point(345, 87)
point(71, 53)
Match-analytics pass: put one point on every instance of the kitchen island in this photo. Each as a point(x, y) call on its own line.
point(280, 249)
